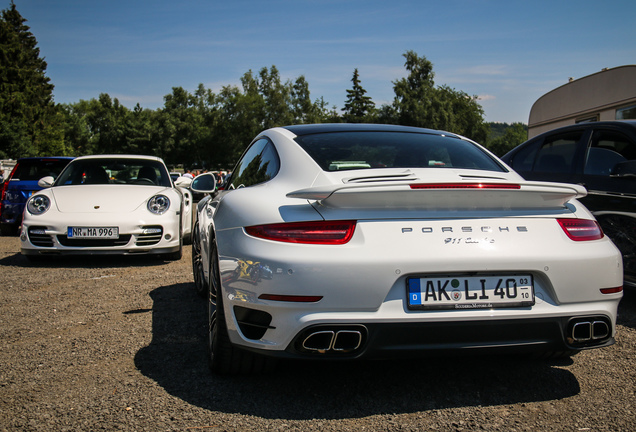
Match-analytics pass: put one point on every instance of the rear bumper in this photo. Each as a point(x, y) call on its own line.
point(410, 340)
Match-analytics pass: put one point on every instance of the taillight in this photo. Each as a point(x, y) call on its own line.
point(317, 232)
point(3, 192)
point(6, 184)
point(581, 229)
point(465, 186)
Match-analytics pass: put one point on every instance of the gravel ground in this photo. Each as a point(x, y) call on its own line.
point(118, 344)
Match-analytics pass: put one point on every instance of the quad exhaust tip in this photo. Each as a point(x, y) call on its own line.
point(333, 341)
point(589, 330)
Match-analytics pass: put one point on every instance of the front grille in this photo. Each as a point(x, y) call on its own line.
point(151, 235)
point(121, 241)
point(37, 237)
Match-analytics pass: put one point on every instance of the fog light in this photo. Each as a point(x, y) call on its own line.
point(168, 236)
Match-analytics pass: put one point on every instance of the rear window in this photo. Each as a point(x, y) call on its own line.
point(35, 169)
point(340, 151)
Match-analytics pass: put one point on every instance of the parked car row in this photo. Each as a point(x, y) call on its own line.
point(353, 241)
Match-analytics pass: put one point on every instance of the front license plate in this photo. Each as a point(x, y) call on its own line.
point(470, 292)
point(93, 232)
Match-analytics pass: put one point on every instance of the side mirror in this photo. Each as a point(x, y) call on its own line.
point(624, 169)
point(204, 183)
point(46, 182)
point(183, 182)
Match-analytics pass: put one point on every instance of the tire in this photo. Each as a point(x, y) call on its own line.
point(223, 357)
point(197, 264)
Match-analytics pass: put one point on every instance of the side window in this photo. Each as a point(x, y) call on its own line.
point(626, 113)
point(524, 158)
point(259, 164)
point(556, 155)
point(606, 150)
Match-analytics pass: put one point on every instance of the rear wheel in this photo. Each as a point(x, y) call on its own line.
point(197, 264)
point(224, 358)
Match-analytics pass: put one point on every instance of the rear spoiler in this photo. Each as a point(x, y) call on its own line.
point(445, 196)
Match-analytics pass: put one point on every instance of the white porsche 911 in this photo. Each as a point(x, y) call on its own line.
point(347, 241)
point(108, 204)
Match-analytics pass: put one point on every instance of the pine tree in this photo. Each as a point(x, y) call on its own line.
point(30, 123)
point(358, 108)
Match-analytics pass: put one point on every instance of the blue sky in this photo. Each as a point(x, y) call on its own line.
point(509, 53)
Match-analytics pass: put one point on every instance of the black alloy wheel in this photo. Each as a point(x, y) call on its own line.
point(197, 264)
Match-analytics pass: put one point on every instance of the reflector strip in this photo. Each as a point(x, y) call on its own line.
point(290, 298)
point(465, 186)
point(612, 290)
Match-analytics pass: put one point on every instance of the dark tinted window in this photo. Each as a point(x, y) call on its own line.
point(523, 159)
point(556, 155)
point(362, 150)
point(35, 169)
point(606, 150)
point(259, 164)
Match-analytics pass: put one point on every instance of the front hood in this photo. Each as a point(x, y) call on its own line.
point(105, 198)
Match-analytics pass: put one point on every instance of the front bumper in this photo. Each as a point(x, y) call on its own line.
point(144, 237)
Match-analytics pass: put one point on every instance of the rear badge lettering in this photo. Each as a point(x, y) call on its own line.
point(467, 229)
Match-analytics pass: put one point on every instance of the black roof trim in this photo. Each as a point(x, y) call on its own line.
point(627, 125)
point(308, 129)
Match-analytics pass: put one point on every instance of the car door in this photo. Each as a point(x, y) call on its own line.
point(611, 196)
point(609, 192)
point(552, 157)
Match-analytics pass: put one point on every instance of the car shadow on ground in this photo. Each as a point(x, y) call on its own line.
point(627, 309)
point(81, 261)
point(175, 359)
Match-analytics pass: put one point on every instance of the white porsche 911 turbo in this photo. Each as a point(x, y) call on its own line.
point(347, 241)
point(108, 204)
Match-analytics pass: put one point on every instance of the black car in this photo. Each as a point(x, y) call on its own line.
point(21, 184)
point(602, 157)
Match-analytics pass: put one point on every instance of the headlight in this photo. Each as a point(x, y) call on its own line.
point(38, 204)
point(158, 204)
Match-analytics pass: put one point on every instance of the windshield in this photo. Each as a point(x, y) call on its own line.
point(339, 151)
point(115, 171)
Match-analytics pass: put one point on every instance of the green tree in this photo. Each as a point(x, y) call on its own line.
point(30, 123)
point(419, 103)
point(302, 108)
point(414, 94)
point(358, 108)
point(277, 99)
point(513, 135)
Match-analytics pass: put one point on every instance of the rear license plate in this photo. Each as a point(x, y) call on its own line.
point(93, 232)
point(470, 292)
